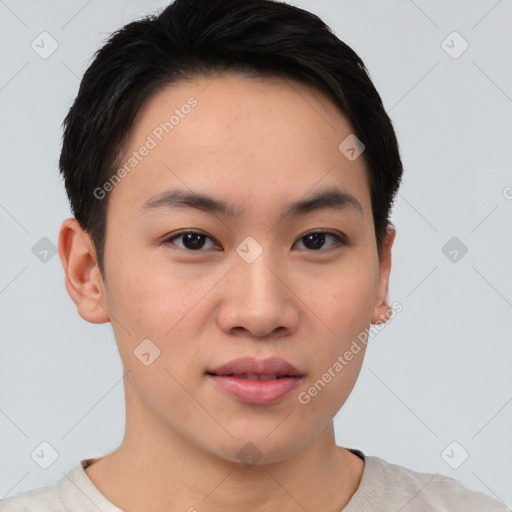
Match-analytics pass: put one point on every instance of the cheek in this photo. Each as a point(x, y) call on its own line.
point(156, 302)
point(149, 295)
point(343, 306)
point(345, 301)
point(328, 389)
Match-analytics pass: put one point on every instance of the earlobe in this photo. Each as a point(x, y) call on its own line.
point(81, 273)
point(381, 314)
point(382, 311)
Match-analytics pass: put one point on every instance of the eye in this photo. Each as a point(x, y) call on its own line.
point(195, 241)
point(192, 240)
point(316, 239)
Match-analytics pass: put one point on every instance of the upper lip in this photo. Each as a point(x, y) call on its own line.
point(251, 365)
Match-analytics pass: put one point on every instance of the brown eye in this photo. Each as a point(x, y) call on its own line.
point(315, 240)
point(191, 241)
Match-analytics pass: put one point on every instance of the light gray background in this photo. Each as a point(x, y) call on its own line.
point(437, 373)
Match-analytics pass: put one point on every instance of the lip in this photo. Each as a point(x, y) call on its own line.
point(230, 379)
point(269, 366)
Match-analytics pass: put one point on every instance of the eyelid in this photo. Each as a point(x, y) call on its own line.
point(167, 239)
point(337, 234)
point(340, 239)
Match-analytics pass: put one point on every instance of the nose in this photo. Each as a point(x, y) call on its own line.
point(257, 299)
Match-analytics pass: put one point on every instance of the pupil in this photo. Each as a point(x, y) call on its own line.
point(196, 240)
point(318, 240)
point(193, 240)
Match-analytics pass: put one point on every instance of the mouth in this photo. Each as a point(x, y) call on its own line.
point(257, 369)
point(254, 376)
point(257, 382)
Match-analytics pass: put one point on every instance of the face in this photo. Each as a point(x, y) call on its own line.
point(259, 270)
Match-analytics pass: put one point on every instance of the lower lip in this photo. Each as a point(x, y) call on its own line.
point(257, 392)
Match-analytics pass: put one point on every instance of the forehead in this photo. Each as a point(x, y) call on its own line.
point(254, 140)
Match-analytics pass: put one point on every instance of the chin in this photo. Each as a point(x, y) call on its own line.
point(259, 449)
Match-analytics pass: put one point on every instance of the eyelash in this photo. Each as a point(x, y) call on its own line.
point(339, 239)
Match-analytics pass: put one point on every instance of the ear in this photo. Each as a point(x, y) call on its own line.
point(382, 311)
point(81, 272)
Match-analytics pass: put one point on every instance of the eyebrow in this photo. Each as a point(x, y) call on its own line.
point(330, 198)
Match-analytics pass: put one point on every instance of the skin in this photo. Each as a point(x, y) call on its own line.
point(258, 145)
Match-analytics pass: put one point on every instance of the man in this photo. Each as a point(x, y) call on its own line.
point(231, 170)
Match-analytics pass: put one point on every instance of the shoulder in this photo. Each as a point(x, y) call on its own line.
point(415, 490)
point(42, 499)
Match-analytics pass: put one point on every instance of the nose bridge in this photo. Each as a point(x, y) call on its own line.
point(256, 296)
point(255, 275)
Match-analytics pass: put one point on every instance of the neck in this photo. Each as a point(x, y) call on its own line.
point(164, 471)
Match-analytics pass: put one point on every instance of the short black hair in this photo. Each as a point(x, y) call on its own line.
point(193, 38)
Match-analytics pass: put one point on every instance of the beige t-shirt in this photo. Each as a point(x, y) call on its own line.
point(384, 487)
